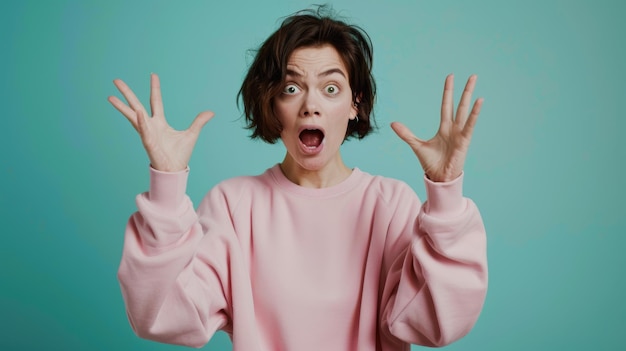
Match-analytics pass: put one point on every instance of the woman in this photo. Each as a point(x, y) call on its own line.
point(311, 254)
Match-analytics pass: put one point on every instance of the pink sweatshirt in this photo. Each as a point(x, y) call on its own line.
point(361, 265)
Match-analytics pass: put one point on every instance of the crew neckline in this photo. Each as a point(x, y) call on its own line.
point(334, 190)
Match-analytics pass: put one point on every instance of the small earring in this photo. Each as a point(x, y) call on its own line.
point(356, 119)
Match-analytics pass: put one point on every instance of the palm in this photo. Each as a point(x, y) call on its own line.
point(168, 149)
point(443, 156)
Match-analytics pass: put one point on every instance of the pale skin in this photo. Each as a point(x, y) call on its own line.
point(442, 157)
point(316, 94)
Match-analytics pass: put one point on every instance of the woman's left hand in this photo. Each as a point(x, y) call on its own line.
point(443, 156)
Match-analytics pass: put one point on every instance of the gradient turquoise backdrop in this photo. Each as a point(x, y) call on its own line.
point(545, 166)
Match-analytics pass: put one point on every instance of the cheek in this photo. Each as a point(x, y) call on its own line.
point(285, 114)
point(346, 112)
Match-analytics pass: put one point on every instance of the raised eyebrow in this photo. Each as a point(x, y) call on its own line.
point(291, 72)
point(332, 71)
point(328, 72)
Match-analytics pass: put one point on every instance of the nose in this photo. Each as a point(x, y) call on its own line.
point(310, 105)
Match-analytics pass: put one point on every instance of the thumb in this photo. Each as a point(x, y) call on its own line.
point(405, 134)
point(201, 119)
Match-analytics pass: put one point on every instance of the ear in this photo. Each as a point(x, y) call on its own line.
point(354, 111)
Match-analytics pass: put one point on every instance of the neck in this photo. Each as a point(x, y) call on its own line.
point(328, 175)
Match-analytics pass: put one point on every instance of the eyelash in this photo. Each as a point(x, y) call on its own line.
point(334, 87)
point(288, 86)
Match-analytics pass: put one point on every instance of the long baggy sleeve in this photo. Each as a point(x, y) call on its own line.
point(437, 267)
point(160, 268)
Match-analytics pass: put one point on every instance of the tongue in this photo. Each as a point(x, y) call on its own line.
point(311, 138)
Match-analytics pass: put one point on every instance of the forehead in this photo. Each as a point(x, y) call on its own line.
point(314, 59)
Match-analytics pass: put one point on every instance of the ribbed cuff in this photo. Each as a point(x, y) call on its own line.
point(167, 189)
point(444, 199)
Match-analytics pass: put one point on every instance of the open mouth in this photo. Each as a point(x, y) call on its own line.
point(311, 138)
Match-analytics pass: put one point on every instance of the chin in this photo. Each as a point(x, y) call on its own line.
point(312, 164)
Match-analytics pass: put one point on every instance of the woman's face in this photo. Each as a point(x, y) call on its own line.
point(315, 106)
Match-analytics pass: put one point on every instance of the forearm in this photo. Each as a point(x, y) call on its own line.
point(442, 276)
point(165, 299)
point(150, 276)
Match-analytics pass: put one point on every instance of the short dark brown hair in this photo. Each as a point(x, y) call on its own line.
point(309, 28)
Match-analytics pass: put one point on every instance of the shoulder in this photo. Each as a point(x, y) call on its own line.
point(245, 184)
point(389, 190)
point(230, 192)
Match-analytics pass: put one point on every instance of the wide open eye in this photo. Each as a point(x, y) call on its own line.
point(331, 89)
point(291, 89)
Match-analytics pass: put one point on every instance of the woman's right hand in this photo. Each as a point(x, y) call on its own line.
point(169, 150)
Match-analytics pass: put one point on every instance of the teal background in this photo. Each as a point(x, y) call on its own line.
point(545, 166)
